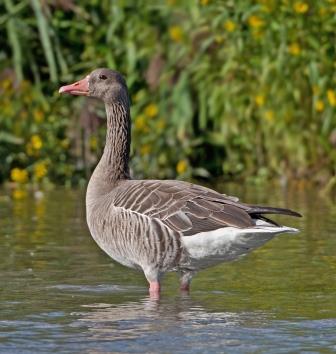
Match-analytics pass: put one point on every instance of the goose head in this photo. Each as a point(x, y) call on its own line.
point(105, 84)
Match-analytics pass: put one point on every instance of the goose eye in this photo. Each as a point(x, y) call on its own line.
point(102, 77)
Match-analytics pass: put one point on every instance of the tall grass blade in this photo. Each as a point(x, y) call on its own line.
point(14, 41)
point(44, 31)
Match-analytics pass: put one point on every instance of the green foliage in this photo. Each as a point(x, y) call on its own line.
point(235, 88)
point(32, 135)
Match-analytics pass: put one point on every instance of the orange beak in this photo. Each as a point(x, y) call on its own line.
point(79, 88)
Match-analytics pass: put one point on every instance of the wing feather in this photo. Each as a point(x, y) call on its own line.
point(182, 206)
point(188, 208)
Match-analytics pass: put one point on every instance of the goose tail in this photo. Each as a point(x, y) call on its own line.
point(255, 210)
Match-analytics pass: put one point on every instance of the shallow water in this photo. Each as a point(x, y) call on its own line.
point(60, 293)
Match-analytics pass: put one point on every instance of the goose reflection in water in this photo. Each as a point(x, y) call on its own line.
point(150, 317)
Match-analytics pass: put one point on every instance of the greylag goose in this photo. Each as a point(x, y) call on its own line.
point(161, 225)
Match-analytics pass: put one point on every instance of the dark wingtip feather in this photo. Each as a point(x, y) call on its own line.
point(254, 209)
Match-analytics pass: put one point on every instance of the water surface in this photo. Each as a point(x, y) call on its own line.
point(61, 293)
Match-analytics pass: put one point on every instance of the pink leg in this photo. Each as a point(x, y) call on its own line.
point(153, 277)
point(185, 280)
point(185, 287)
point(154, 289)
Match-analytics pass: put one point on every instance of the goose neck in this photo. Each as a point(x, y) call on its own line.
point(117, 146)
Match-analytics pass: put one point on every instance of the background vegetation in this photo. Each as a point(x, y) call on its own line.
point(235, 88)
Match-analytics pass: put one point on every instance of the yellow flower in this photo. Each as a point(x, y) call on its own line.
point(301, 7)
point(6, 84)
point(319, 106)
point(294, 49)
point(331, 97)
point(255, 22)
point(269, 115)
point(19, 194)
point(93, 143)
point(36, 142)
point(204, 2)
point(38, 115)
point(40, 169)
point(181, 167)
point(151, 110)
point(140, 122)
point(19, 175)
point(145, 149)
point(176, 33)
point(229, 25)
point(259, 100)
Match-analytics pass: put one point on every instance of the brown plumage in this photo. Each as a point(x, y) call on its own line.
point(158, 226)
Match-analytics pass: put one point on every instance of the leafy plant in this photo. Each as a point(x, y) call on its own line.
point(233, 88)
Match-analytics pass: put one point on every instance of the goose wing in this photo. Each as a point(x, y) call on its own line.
point(187, 207)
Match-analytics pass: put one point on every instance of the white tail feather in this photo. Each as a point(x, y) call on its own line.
point(229, 243)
